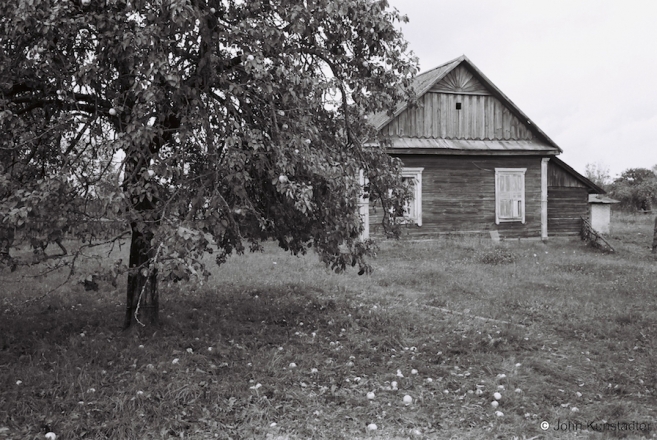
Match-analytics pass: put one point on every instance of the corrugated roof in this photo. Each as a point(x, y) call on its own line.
point(469, 144)
point(424, 81)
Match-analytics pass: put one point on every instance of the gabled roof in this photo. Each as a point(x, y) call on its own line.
point(425, 81)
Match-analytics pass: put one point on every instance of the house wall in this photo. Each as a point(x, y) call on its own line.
point(567, 202)
point(559, 177)
point(566, 208)
point(458, 195)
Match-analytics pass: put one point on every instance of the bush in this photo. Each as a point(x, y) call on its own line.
point(499, 255)
point(636, 189)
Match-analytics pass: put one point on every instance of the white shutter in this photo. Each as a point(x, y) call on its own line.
point(364, 205)
point(510, 194)
point(409, 206)
point(413, 208)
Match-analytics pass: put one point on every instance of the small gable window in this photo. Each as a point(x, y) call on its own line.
point(510, 195)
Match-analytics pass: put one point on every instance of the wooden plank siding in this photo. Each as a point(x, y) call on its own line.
point(567, 201)
point(481, 117)
point(458, 195)
point(559, 177)
point(566, 208)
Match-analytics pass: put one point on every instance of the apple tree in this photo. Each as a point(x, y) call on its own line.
point(207, 125)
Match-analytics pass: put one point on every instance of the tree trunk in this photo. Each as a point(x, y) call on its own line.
point(7, 234)
point(654, 238)
point(142, 302)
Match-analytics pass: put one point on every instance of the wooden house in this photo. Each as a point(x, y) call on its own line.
point(477, 163)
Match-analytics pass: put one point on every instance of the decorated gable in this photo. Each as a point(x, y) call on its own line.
point(460, 80)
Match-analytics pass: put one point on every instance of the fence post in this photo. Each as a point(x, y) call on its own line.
point(654, 238)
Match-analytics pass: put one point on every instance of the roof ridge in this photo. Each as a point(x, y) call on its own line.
point(461, 58)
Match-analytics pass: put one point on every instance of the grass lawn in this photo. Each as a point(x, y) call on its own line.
point(278, 347)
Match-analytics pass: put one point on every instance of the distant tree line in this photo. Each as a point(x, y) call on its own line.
point(635, 188)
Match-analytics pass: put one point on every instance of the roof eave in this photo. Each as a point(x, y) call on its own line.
point(578, 176)
point(455, 152)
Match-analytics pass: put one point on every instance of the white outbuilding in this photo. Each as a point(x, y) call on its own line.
point(600, 212)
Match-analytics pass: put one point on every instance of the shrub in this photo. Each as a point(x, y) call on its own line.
point(498, 255)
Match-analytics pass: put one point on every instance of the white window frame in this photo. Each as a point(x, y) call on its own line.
point(518, 199)
point(413, 210)
point(364, 205)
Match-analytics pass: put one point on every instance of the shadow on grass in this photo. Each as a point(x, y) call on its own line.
point(228, 364)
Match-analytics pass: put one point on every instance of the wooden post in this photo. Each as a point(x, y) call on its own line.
point(544, 198)
point(654, 238)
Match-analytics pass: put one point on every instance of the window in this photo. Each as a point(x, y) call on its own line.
point(510, 195)
point(413, 209)
point(364, 205)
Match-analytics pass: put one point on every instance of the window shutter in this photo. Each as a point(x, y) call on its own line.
point(364, 205)
point(412, 210)
point(409, 207)
point(510, 195)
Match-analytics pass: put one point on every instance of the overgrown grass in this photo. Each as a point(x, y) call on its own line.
point(279, 347)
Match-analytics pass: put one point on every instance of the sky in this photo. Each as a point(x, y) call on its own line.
point(584, 71)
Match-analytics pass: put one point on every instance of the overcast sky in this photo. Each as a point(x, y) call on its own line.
point(585, 71)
